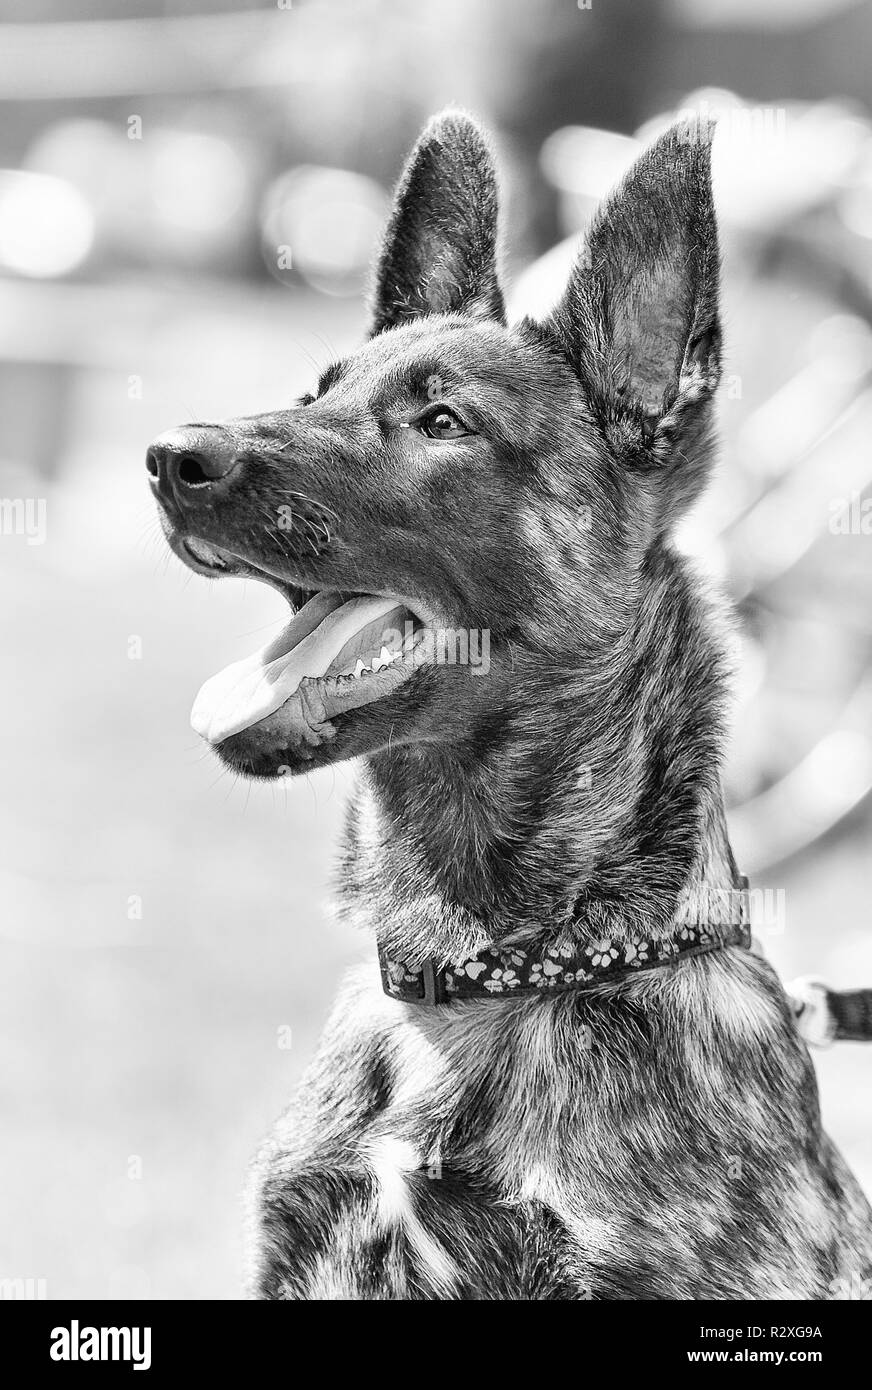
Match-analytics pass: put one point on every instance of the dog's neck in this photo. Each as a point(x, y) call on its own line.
point(591, 809)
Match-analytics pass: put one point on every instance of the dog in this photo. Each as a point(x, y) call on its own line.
point(482, 1121)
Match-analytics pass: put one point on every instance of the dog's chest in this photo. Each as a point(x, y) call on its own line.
point(561, 1150)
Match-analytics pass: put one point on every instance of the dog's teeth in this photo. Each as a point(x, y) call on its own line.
point(359, 669)
point(385, 658)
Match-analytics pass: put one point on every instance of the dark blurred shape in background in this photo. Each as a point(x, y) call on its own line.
point(189, 204)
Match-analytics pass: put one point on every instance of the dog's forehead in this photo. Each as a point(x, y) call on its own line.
point(423, 355)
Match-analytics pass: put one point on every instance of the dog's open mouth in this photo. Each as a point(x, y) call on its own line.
point(335, 654)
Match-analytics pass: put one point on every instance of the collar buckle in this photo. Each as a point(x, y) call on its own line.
point(434, 985)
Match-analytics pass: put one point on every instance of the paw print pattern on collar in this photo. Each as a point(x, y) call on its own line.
point(495, 974)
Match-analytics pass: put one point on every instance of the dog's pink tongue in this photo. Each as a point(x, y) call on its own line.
point(249, 690)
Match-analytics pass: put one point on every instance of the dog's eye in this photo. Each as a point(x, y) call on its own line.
point(442, 423)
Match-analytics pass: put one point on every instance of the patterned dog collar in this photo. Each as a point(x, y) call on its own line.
point(514, 970)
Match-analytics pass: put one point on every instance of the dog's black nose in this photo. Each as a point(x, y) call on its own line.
point(184, 460)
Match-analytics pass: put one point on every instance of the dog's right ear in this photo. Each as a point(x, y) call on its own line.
point(439, 250)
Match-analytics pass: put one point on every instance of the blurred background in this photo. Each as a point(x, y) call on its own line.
point(190, 196)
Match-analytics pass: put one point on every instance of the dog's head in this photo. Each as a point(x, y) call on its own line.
point(461, 505)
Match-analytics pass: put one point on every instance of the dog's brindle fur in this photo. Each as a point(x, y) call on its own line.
point(654, 1138)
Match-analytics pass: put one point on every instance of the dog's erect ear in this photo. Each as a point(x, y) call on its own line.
point(439, 251)
point(639, 318)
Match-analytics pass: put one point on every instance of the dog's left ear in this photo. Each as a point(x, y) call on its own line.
point(639, 318)
point(439, 250)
